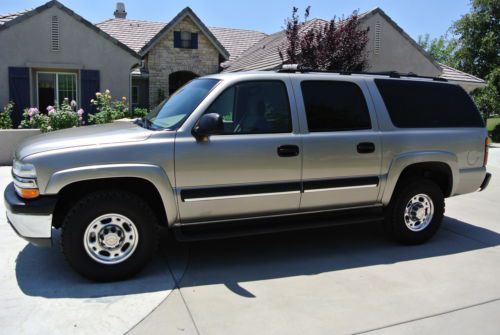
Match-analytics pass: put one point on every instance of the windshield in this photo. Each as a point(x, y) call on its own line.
point(171, 112)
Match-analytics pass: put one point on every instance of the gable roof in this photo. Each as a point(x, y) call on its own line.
point(12, 19)
point(237, 41)
point(186, 12)
point(4, 18)
point(133, 33)
point(264, 54)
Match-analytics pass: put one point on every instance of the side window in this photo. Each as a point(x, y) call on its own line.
point(334, 106)
point(254, 107)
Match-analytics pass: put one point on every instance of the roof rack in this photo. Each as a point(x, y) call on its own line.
point(298, 68)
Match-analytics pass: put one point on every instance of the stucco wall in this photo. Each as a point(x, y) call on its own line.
point(396, 53)
point(164, 59)
point(27, 44)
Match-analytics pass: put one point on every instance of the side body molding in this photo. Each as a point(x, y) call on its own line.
point(400, 162)
point(151, 173)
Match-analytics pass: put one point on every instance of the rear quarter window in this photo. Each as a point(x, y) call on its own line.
point(414, 104)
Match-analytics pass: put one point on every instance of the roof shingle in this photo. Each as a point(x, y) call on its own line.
point(4, 18)
point(133, 33)
point(236, 41)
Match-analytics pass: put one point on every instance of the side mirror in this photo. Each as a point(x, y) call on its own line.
point(208, 124)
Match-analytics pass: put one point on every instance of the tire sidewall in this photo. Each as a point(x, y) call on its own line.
point(403, 196)
point(96, 205)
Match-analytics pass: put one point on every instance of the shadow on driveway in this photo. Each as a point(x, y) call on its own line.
point(44, 272)
point(235, 261)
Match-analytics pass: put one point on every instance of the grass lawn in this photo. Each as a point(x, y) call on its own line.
point(491, 123)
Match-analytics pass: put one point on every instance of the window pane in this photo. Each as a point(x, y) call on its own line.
point(256, 107)
point(46, 90)
point(66, 86)
point(417, 104)
point(334, 106)
point(135, 94)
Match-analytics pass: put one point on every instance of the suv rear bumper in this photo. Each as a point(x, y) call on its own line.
point(486, 181)
point(30, 219)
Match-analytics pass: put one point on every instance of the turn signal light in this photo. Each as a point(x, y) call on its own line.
point(29, 193)
point(486, 143)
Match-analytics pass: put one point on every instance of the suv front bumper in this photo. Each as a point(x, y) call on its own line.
point(30, 219)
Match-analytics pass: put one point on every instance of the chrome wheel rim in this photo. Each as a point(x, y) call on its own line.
point(111, 239)
point(419, 212)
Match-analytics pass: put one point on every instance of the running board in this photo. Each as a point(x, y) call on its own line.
point(236, 228)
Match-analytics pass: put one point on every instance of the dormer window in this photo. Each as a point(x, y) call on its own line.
point(185, 40)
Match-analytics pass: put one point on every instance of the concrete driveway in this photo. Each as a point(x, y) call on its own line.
point(340, 280)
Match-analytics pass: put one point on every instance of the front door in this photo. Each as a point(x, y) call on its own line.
point(341, 147)
point(253, 168)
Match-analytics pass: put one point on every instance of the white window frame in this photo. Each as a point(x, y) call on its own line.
point(57, 73)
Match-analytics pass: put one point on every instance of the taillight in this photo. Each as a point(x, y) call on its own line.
point(486, 143)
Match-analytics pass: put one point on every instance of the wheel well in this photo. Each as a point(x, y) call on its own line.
point(71, 193)
point(438, 172)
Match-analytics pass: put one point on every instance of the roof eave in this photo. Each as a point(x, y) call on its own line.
point(77, 17)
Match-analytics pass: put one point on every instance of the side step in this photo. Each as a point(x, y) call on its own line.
point(235, 228)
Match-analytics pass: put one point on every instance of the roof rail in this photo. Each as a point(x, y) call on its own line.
point(298, 68)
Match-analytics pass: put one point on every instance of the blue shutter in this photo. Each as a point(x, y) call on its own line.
point(19, 92)
point(177, 39)
point(90, 83)
point(194, 40)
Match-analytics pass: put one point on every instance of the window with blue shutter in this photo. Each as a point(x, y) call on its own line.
point(19, 92)
point(185, 40)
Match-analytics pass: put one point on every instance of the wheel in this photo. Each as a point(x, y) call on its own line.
point(415, 212)
point(109, 235)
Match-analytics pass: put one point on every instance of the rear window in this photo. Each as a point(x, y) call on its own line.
point(414, 104)
point(334, 106)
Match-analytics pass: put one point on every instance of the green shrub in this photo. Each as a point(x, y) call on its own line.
point(108, 110)
point(495, 134)
point(139, 112)
point(57, 117)
point(5, 116)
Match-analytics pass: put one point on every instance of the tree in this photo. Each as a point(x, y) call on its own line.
point(441, 49)
point(338, 45)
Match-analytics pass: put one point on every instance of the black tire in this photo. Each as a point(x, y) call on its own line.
point(94, 205)
point(395, 213)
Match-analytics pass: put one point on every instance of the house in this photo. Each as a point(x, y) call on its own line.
point(50, 52)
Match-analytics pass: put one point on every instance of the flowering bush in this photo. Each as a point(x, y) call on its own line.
point(57, 117)
point(5, 119)
point(108, 110)
point(139, 112)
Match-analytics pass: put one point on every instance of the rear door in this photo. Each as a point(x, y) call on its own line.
point(253, 167)
point(341, 144)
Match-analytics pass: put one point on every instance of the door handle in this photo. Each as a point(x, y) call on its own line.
point(288, 150)
point(366, 147)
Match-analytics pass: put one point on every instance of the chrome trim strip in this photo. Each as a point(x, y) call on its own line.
point(339, 188)
point(240, 196)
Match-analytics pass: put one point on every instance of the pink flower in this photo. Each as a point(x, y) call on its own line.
point(49, 108)
point(80, 112)
point(32, 111)
point(52, 111)
point(73, 103)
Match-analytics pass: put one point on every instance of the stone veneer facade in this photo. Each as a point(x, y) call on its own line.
point(163, 59)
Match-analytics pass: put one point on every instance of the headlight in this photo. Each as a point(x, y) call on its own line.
point(25, 180)
point(23, 170)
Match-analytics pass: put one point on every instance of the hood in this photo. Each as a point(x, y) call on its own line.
point(117, 132)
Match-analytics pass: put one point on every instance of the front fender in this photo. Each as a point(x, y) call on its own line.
point(400, 162)
point(152, 173)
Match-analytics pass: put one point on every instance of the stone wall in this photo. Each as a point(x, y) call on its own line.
point(163, 59)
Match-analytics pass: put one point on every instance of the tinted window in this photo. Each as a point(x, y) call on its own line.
point(255, 107)
point(334, 106)
point(414, 104)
